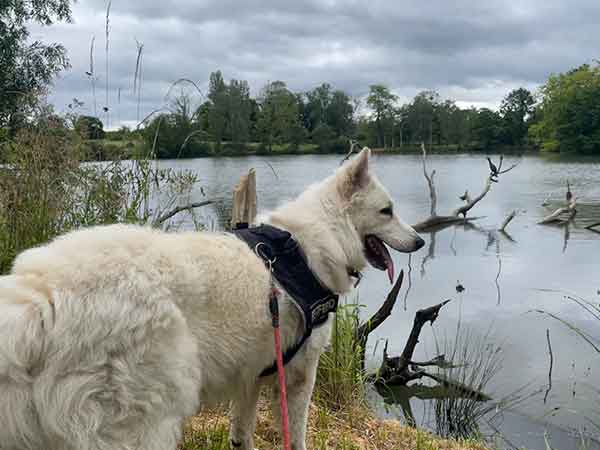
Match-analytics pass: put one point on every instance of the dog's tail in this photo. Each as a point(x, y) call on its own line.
point(25, 310)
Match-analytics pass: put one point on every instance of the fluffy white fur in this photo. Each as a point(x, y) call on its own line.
point(111, 336)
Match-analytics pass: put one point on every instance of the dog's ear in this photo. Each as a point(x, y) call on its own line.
point(354, 175)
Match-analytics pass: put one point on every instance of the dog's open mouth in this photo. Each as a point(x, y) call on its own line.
point(378, 255)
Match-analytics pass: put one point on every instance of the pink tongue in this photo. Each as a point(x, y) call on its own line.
point(389, 262)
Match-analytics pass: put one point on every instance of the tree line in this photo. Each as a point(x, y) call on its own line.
point(325, 118)
point(563, 115)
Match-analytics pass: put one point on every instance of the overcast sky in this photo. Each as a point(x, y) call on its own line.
point(473, 51)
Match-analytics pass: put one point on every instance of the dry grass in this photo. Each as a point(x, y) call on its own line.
point(347, 430)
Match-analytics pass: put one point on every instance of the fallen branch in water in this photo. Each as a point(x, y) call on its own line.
point(397, 370)
point(435, 221)
point(570, 208)
point(593, 226)
point(508, 219)
point(555, 216)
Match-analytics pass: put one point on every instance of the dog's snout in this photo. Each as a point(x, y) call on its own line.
point(419, 242)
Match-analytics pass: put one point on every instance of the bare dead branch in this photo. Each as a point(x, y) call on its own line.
point(382, 313)
point(472, 202)
point(362, 332)
point(555, 216)
point(593, 226)
point(434, 220)
point(508, 219)
point(442, 222)
point(439, 361)
point(500, 172)
point(422, 316)
point(353, 144)
point(430, 182)
point(166, 216)
point(551, 364)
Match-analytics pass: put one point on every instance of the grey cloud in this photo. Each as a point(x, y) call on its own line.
point(472, 51)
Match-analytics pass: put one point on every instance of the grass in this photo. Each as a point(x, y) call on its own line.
point(326, 430)
point(339, 415)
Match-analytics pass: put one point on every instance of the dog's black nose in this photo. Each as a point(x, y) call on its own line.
point(419, 242)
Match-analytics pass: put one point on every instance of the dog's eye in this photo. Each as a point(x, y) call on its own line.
point(387, 211)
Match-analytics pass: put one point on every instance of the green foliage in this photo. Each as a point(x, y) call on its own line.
point(46, 191)
point(27, 67)
point(177, 133)
point(568, 116)
point(516, 107)
point(381, 101)
point(340, 377)
point(89, 127)
point(279, 119)
point(487, 128)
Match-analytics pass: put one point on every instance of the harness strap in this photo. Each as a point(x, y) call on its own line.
point(288, 265)
point(287, 356)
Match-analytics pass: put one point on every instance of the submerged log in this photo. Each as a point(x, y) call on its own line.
point(396, 370)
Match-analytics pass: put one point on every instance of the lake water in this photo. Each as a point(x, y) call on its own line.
point(505, 277)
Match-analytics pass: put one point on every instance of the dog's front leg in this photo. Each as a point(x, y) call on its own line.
point(300, 384)
point(243, 419)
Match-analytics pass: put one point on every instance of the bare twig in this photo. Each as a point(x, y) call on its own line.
point(272, 169)
point(166, 216)
point(472, 202)
point(500, 172)
point(430, 182)
point(137, 77)
point(382, 313)
point(551, 365)
point(508, 219)
point(572, 327)
point(592, 226)
point(353, 144)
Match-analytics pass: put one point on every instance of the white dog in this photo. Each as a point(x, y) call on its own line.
point(111, 336)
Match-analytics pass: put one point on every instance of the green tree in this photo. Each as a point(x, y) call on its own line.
point(89, 127)
point(27, 67)
point(568, 116)
point(381, 101)
point(239, 110)
point(317, 104)
point(217, 114)
point(423, 119)
point(487, 128)
point(340, 114)
point(279, 118)
point(516, 107)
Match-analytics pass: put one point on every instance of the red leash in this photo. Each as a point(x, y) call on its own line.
point(274, 307)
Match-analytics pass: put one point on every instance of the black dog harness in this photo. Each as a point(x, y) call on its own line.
point(287, 262)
